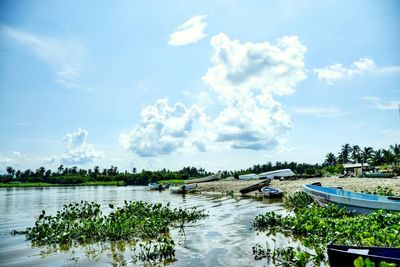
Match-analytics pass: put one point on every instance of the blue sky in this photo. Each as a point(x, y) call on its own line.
point(212, 84)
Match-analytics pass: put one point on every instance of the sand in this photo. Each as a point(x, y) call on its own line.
point(291, 186)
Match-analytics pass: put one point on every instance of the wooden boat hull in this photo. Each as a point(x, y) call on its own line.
point(210, 178)
point(255, 187)
point(352, 201)
point(343, 256)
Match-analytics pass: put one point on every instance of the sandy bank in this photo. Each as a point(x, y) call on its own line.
point(289, 187)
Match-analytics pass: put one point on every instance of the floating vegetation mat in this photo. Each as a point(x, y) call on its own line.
point(144, 227)
point(315, 226)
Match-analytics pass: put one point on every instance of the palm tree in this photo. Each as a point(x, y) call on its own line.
point(60, 169)
point(330, 159)
point(396, 152)
point(366, 154)
point(388, 156)
point(345, 153)
point(355, 153)
point(377, 157)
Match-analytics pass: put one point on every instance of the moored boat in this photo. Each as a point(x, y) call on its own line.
point(352, 201)
point(271, 192)
point(343, 256)
point(153, 186)
point(277, 174)
point(186, 188)
point(210, 178)
point(255, 187)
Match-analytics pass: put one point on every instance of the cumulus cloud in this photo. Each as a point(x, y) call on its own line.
point(320, 112)
point(242, 67)
point(164, 129)
point(336, 72)
point(64, 56)
point(378, 103)
point(243, 79)
point(189, 32)
point(79, 151)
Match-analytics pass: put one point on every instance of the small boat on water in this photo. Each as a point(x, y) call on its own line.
point(343, 256)
point(210, 178)
point(183, 189)
point(255, 187)
point(154, 186)
point(352, 201)
point(271, 192)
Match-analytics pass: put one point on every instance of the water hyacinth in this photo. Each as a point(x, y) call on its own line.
point(315, 226)
point(146, 225)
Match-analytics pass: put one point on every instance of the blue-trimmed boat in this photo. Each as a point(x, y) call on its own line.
point(352, 201)
point(343, 256)
point(271, 192)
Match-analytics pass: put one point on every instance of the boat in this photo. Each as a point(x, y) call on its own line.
point(249, 176)
point(255, 187)
point(271, 192)
point(342, 256)
point(378, 175)
point(186, 188)
point(277, 174)
point(154, 186)
point(210, 178)
point(354, 202)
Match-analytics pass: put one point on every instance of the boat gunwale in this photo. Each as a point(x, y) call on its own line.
point(367, 203)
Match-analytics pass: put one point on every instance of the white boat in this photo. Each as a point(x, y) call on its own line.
point(154, 186)
point(277, 174)
point(250, 176)
point(186, 188)
point(352, 201)
point(210, 178)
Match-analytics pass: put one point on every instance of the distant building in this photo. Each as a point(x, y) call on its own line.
point(356, 169)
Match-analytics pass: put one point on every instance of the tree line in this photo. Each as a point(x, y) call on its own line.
point(332, 164)
point(354, 154)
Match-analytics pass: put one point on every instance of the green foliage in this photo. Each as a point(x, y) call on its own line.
point(315, 226)
point(84, 223)
point(360, 262)
point(382, 191)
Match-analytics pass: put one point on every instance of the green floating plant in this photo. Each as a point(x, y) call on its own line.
point(146, 225)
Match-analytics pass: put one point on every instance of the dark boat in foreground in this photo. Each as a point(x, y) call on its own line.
point(343, 256)
point(271, 192)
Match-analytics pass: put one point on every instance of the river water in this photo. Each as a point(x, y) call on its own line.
point(222, 239)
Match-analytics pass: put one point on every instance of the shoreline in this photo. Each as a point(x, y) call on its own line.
point(291, 186)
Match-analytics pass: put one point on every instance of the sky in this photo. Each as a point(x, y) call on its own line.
point(220, 85)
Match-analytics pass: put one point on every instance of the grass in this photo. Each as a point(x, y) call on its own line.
point(38, 184)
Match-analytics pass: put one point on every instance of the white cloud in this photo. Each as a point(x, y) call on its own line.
point(378, 103)
point(244, 78)
point(336, 72)
point(164, 129)
point(320, 112)
point(267, 67)
point(189, 32)
point(64, 56)
point(79, 151)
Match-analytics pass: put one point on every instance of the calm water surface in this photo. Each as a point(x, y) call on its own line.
point(222, 239)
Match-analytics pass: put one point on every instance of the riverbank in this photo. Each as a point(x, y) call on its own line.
point(98, 183)
point(292, 186)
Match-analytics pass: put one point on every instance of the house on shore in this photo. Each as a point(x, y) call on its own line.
point(356, 169)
